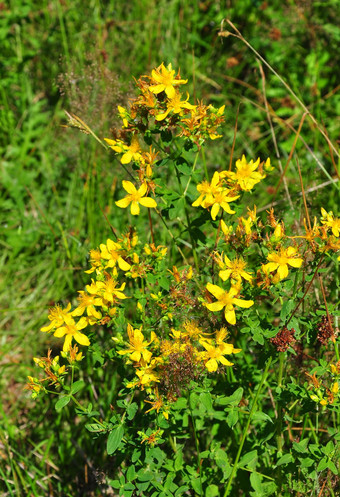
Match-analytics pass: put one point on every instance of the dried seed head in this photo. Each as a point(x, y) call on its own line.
point(283, 339)
point(325, 330)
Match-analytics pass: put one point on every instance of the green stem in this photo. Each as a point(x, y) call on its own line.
point(85, 410)
point(197, 446)
point(279, 408)
point(245, 431)
point(193, 242)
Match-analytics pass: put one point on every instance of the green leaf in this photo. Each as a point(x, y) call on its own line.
point(205, 399)
point(306, 462)
point(114, 439)
point(248, 458)
point(212, 491)
point(184, 168)
point(164, 282)
point(232, 418)
point(145, 475)
point(287, 307)
point(332, 467)
point(179, 461)
point(77, 385)
point(301, 446)
point(233, 399)
point(131, 473)
point(62, 402)
point(262, 416)
point(196, 485)
point(177, 209)
point(94, 427)
point(328, 449)
point(323, 464)
point(136, 455)
point(256, 483)
point(286, 459)
point(131, 410)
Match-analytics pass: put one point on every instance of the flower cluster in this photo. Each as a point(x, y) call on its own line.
point(99, 302)
point(160, 107)
point(164, 366)
point(325, 388)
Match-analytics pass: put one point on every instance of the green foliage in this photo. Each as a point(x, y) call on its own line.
point(57, 201)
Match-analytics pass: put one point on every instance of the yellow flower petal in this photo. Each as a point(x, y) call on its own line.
point(135, 210)
point(129, 187)
point(123, 203)
point(81, 338)
point(216, 291)
point(230, 316)
point(148, 202)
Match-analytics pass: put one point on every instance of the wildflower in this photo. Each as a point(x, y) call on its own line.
point(158, 405)
point(107, 289)
point(130, 152)
point(207, 191)
point(34, 385)
point(227, 230)
point(137, 345)
point(87, 302)
point(146, 373)
point(72, 330)
point(74, 354)
point(234, 269)
point(110, 252)
point(278, 234)
point(166, 81)
point(124, 115)
point(135, 197)
point(267, 166)
point(215, 354)
point(175, 105)
point(246, 175)
point(227, 300)
point(329, 220)
point(95, 261)
point(154, 437)
point(221, 199)
point(279, 261)
point(58, 317)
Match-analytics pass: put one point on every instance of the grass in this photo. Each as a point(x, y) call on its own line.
point(57, 183)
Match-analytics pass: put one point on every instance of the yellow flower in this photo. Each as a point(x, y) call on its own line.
point(165, 79)
point(130, 152)
point(58, 317)
point(227, 300)
point(175, 104)
point(137, 345)
point(107, 290)
point(146, 373)
point(207, 190)
point(135, 197)
point(95, 260)
point(329, 220)
point(72, 330)
point(124, 115)
point(221, 199)
point(279, 262)
point(234, 269)
point(110, 252)
point(245, 175)
point(227, 230)
point(215, 354)
point(88, 303)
